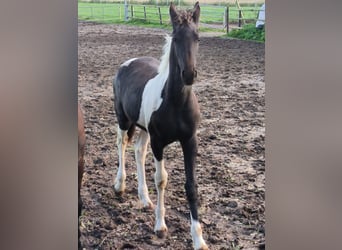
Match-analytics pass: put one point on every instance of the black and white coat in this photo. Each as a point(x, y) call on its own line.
point(158, 98)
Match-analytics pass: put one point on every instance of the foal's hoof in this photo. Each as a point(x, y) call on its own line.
point(148, 207)
point(161, 233)
point(118, 192)
point(203, 248)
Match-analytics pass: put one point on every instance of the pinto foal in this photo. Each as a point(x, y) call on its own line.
point(158, 98)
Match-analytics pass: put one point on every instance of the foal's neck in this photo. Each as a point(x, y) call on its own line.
point(176, 90)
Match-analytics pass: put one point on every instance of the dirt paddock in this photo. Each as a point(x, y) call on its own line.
point(230, 163)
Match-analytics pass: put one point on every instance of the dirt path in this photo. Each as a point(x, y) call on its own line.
point(231, 161)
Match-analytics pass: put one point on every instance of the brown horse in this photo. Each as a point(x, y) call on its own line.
point(81, 145)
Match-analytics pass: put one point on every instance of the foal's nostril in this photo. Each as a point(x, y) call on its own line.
point(188, 76)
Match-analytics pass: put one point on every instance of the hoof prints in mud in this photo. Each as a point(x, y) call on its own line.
point(230, 164)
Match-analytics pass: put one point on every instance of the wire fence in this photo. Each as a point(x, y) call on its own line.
point(102, 13)
point(221, 17)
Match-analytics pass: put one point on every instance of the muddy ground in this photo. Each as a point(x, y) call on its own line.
point(231, 158)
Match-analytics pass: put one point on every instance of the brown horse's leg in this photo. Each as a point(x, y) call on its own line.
point(81, 145)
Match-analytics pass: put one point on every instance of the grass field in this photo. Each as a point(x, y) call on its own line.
point(189, 2)
point(114, 13)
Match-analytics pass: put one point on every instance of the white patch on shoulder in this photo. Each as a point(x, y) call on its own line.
point(128, 62)
point(151, 98)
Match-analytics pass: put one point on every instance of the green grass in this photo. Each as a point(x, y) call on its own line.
point(215, 14)
point(143, 23)
point(101, 12)
point(249, 32)
point(114, 13)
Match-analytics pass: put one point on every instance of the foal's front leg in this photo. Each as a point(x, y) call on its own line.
point(190, 151)
point(122, 141)
point(160, 179)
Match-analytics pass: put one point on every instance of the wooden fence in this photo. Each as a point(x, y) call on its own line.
point(221, 17)
point(152, 14)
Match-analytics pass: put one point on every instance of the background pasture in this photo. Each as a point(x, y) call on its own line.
point(157, 13)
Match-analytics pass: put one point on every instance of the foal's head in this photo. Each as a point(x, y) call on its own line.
point(185, 40)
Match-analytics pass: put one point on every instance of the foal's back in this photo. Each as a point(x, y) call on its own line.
point(129, 85)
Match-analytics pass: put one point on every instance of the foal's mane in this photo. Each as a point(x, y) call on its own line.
point(184, 17)
point(164, 64)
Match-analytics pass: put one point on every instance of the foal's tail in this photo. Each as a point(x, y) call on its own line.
point(130, 132)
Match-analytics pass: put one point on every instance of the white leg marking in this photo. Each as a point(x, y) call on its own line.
point(160, 178)
point(196, 233)
point(122, 141)
point(140, 156)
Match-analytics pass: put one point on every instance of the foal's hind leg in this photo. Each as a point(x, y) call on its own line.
point(140, 156)
point(122, 141)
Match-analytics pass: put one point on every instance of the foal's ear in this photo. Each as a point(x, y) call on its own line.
point(196, 13)
point(173, 15)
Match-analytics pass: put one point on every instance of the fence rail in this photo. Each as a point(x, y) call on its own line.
point(101, 13)
point(153, 14)
point(222, 16)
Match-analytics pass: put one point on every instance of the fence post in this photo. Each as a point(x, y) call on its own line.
point(145, 12)
point(132, 11)
point(126, 11)
point(160, 17)
point(227, 19)
point(240, 18)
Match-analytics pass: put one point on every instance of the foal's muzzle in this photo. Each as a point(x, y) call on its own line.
point(189, 76)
